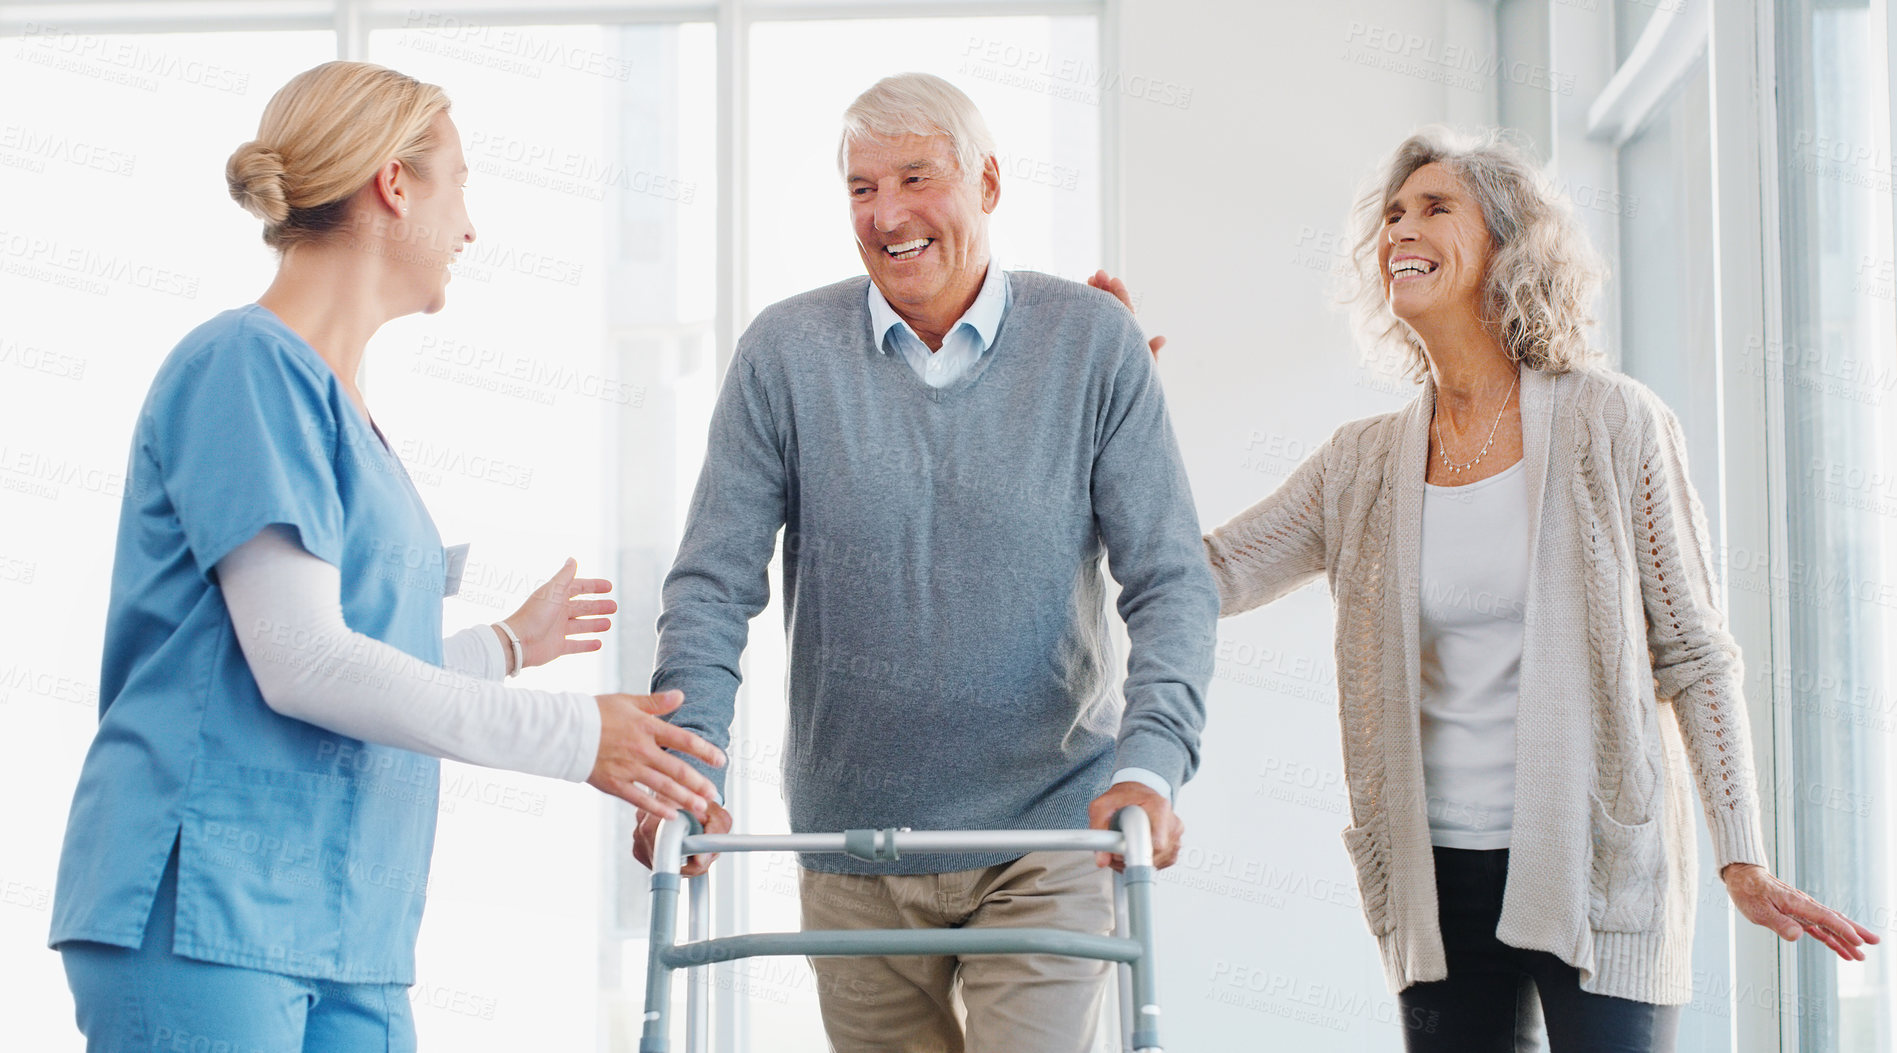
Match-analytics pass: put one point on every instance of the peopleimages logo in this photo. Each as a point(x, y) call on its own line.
point(87, 268)
point(431, 462)
point(522, 376)
point(56, 473)
point(32, 148)
point(135, 64)
point(522, 50)
point(569, 171)
point(1457, 65)
point(1064, 77)
point(33, 359)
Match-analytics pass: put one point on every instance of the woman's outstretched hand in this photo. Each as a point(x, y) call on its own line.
point(558, 612)
point(1767, 901)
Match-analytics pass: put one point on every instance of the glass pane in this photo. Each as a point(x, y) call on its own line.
point(117, 238)
point(1664, 207)
point(575, 355)
point(1524, 104)
point(1666, 267)
point(1838, 367)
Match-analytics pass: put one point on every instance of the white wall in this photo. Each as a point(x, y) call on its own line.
point(1235, 209)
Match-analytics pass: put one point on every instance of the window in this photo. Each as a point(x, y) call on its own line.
point(1666, 278)
point(1781, 371)
point(1666, 264)
point(576, 355)
point(1837, 368)
point(117, 239)
point(558, 406)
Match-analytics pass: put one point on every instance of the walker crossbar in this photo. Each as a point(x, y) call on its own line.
point(677, 839)
point(914, 842)
point(833, 943)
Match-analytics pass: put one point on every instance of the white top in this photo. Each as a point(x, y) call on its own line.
point(1474, 592)
point(352, 684)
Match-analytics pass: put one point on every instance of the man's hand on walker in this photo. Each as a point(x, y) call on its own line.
point(1168, 828)
point(1108, 283)
point(559, 611)
point(1767, 901)
point(633, 763)
point(647, 832)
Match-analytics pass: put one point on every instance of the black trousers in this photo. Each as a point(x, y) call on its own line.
point(1488, 1003)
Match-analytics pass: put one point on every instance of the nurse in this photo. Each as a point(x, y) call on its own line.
point(248, 849)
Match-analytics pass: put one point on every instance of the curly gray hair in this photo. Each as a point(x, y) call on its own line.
point(1542, 275)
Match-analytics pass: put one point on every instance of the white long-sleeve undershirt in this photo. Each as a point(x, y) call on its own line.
point(310, 666)
point(476, 651)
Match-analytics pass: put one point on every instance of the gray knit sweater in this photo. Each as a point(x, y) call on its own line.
point(950, 661)
point(1630, 683)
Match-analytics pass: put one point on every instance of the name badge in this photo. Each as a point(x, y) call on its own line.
point(457, 561)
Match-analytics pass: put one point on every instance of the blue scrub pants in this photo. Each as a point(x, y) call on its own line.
point(153, 1001)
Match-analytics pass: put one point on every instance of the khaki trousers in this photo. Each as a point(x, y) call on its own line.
point(979, 1003)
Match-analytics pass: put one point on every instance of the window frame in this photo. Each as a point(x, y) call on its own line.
point(1738, 38)
point(1747, 298)
point(353, 21)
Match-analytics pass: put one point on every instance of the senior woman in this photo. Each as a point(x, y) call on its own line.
point(1534, 677)
point(248, 847)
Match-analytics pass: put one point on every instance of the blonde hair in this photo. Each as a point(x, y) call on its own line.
point(323, 136)
point(919, 104)
point(1542, 275)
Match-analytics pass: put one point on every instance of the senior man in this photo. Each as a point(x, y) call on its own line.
point(951, 448)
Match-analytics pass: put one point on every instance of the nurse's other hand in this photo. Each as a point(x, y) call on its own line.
point(1105, 282)
point(647, 832)
point(559, 611)
point(633, 764)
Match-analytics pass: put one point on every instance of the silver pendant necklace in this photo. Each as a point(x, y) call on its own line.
point(1458, 469)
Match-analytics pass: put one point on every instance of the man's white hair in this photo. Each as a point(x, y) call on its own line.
point(918, 104)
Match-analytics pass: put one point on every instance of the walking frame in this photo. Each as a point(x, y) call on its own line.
point(681, 837)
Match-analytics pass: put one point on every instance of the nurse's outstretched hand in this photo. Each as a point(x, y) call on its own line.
point(634, 766)
point(558, 612)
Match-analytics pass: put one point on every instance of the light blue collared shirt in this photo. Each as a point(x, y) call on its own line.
point(968, 339)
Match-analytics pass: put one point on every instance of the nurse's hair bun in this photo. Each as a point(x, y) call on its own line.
point(323, 137)
point(255, 175)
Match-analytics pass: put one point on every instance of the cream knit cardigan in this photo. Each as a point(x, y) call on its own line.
point(1627, 675)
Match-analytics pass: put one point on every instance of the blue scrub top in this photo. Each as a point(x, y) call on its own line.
point(300, 851)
